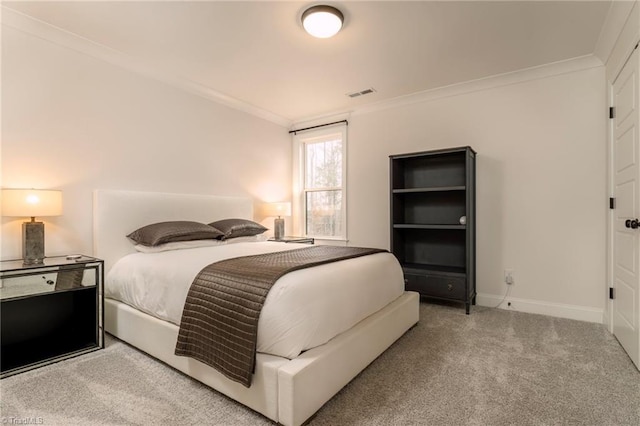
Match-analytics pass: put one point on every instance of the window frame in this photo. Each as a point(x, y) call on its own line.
point(300, 141)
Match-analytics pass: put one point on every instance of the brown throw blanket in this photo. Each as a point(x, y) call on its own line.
point(219, 325)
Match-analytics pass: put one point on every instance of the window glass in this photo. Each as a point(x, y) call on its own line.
point(323, 168)
point(324, 213)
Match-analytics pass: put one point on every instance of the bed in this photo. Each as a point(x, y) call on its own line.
point(286, 389)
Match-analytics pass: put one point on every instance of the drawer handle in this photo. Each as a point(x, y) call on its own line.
point(450, 286)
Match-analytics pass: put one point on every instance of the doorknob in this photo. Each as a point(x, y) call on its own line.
point(633, 224)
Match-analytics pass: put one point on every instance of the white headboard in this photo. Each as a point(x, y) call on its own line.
point(118, 213)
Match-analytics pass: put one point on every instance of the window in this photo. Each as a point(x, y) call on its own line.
point(322, 200)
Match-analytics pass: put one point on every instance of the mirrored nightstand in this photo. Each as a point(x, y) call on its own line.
point(49, 312)
point(299, 240)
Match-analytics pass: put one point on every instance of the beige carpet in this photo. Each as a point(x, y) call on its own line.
point(492, 367)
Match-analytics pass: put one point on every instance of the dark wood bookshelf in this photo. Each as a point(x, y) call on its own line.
point(431, 192)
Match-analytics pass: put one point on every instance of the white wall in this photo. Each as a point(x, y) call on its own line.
point(541, 183)
point(75, 123)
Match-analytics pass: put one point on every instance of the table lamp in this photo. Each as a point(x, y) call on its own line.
point(32, 203)
point(278, 209)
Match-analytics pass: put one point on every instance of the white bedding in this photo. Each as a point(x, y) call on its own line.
point(304, 309)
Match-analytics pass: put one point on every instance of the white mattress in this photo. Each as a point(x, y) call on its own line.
point(304, 309)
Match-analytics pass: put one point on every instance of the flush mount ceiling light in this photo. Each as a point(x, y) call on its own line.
point(322, 21)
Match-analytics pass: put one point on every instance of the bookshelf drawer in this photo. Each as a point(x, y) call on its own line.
point(436, 285)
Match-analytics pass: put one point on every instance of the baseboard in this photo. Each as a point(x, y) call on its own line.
point(561, 310)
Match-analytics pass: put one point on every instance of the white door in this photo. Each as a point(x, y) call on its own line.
point(625, 230)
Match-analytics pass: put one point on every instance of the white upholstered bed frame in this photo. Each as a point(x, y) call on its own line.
point(286, 391)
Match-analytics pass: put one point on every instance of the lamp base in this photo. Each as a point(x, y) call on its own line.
point(278, 228)
point(33, 243)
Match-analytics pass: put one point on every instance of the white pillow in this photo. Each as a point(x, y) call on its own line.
point(180, 245)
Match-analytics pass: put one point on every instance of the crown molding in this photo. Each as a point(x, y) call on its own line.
point(617, 16)
point(35, 27)
point(498, 80)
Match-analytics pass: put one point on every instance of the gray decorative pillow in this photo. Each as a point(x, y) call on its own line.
point(166, 232)
point(232, 228)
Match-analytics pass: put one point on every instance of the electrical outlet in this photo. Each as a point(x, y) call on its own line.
point(509, 278)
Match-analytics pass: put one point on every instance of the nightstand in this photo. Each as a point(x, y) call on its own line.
point(49, 312)
point(299, 240)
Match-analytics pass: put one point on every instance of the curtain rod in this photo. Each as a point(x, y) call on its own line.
point(319, 125)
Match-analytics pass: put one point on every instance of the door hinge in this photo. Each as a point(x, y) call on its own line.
point(612, 112)
point(611, 293)
point(612, 203)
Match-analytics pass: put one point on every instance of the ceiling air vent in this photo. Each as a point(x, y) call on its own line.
point(361, 93)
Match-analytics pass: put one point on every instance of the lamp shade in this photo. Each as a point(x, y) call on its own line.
point(31, 202)
point(322, 21)
point(277, 209)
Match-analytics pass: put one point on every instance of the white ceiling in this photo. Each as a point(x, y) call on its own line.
point(257, 53)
